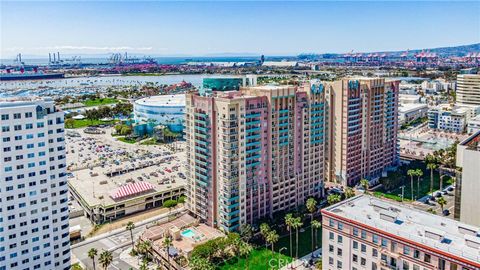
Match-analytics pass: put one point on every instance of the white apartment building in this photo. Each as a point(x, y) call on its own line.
point(473, 125)
point(364, 232)
point(34, 228)
point(451, 119)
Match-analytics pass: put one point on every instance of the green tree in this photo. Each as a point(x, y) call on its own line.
point(316, 225)
point(144, 265)
point(296, 224)
point(264, 230)
point(106, 259)
point(169, 204)
point(312, 208)
point(333, 199)
point(431, 167)
point(199, 263)
point(418, 173)
point(442, 202)
point(411, 173)
point(246, 232)
point(167, 242)
point(91, 254)
point(130, 227)
point(318, 264)
point(364, 183)
point(69, 123)
point(349, 192)
point(289, 223)
point(272, 238)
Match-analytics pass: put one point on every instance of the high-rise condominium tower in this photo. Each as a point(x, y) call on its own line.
point(254, 152)
point(468, 89)
point(34, 230)
point(264, 149)
point(363, 121)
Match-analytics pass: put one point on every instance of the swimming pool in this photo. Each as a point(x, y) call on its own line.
point(188, 233)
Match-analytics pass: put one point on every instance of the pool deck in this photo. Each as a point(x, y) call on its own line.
point(184, 244)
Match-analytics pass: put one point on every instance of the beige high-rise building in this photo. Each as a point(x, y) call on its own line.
point(363, 125)
point(468, 89)
point(265, 149)
point(468, 180)
point(254, 152)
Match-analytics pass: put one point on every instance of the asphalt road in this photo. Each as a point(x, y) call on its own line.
point(116, 242)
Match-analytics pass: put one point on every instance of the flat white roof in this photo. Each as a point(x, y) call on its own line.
point(409, 107)
point(411, 224)
point(163, 101)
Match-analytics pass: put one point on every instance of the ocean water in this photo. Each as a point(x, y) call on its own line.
point(160, 60)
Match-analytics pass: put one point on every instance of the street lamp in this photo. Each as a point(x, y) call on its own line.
point(280, 253)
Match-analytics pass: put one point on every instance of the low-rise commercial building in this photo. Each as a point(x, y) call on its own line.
point(364, 232)
point(408, 112)
point(110, 193)
point(451, 118)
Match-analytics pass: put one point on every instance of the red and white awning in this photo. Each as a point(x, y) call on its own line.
point(131, 189)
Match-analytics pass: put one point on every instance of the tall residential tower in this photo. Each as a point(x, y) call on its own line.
point(254, 152)
point(34, 230)
point(265, 149)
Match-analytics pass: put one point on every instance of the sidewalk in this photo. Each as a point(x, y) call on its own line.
point(299, 264)
point(120, 230)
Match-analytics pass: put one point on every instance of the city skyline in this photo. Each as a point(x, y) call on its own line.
point(237, 28)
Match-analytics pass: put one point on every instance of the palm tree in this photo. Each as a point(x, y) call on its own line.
point(364, 183)
point(289, 222)
point(91, 254)
point(311, 207)
point(419, 174)
point(130, 227)
point(106, 258)
point(167, 242)
point(272, 238)
point(264, 229)
point(297, 223)
point(349, 192)
point(441, 201)
point(411, 173)
point(316, 225)
point(333, 199)
point(431, 167)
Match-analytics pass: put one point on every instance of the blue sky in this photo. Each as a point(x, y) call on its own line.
point(202, 28)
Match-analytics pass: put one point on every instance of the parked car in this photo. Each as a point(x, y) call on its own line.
point(446, 212)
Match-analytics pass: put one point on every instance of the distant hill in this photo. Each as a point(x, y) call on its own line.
point(443, 51)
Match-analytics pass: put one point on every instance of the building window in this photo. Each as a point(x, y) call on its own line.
point(340, 239)
point(355, 258)
point(364, 234)
point(374, 252)
point(355, 245)
point(406, 250)
point(375, 238)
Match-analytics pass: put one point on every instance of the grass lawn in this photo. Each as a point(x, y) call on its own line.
point(76, 267)
point(402, 176)
point(151, 141)
point(304, 242)
point(125, 140)
point(87, 122)
point(259, 259)
point(99, 101)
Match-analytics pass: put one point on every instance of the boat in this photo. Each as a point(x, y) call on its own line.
point(30, 76)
